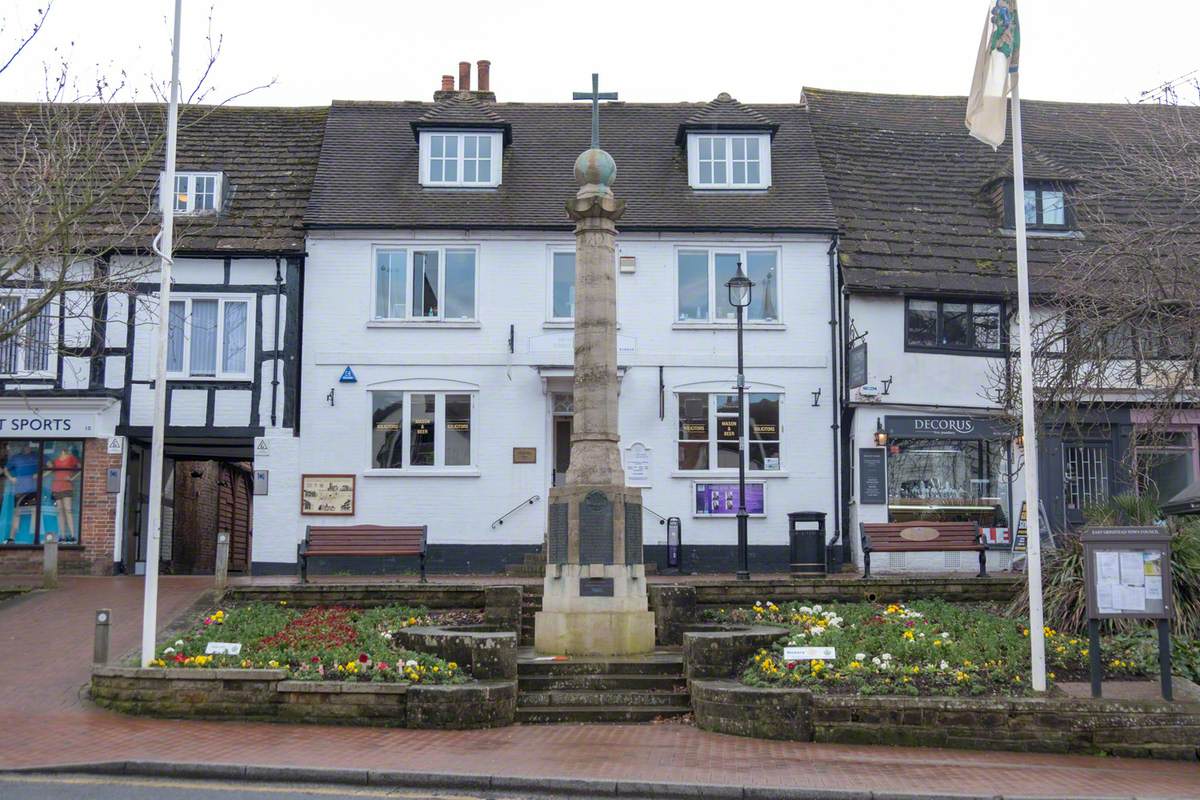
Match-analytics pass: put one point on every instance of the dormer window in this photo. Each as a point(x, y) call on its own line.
point(1045, 205)
point(197, 192)
point(729, 161)
point(461, 158)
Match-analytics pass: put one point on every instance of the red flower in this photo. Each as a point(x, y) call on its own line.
point(363, 658)
point(381, 665)
point(179, 658)
point(791, 665)
point(316, 659)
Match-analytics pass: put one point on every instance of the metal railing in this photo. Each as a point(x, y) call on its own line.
point(515, 509)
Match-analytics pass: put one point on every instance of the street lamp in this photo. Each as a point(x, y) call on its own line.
point(740, 288)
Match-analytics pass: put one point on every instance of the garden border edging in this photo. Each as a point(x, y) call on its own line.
point(1031, 724)
point(270, 695)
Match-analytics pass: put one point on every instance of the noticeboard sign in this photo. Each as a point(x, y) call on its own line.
point(1128, 572)
point(872, 476)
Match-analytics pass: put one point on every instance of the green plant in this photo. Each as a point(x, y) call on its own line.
point(1064, 595)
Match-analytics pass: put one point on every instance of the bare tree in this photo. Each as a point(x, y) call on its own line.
point(1118, 318)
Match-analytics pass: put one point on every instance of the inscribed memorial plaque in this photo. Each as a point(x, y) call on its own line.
point(556, 540)
point(633, 533)
point(596, 529)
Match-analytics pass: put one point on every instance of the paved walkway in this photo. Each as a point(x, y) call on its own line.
point(45, 644)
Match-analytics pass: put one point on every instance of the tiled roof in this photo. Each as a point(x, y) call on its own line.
point(268, 156)
point(462, 110)
point(907, 185)
point(368, 175)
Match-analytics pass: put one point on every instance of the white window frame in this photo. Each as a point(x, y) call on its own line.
point(764, 163)
point(409, 317)
point(714, 291)
point(494, 179)
point(713, 469)
point(551, 252)
point(439, 467)
point(187, 207)
point(52, 310)
point(251, 350)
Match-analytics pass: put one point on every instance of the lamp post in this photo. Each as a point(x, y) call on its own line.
point(740, 287)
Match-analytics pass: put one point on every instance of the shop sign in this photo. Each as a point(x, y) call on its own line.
point(872, 476)
point(856, 365)
point(721, 499)
point(727, 429)
point(946, 427)
point(33, 425)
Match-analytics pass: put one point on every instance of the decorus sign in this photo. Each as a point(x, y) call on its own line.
point(28, 424)
point(945, 427)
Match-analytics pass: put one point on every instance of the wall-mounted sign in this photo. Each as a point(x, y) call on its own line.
point(637, 465)
point(262, 481)
point(262, 447)
point(856, 365)
point(327, 494)
point(524, 455)
point(31, 425)
point(348, 376)
point(872, 476)
point(721, 499)
point(946, 427)
point(727, 429)
point(115, 445)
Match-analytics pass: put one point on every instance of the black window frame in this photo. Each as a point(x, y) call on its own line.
point(971, 350)
point(1068, 223)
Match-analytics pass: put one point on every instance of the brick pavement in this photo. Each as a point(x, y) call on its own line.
point(46, 641)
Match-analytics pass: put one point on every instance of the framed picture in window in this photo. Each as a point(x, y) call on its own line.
point(328, 495)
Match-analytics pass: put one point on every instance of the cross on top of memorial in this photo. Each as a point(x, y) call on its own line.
point(595, 95)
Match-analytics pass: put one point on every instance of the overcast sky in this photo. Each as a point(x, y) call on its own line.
point(647, 50)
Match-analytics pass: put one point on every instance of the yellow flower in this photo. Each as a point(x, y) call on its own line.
point(1052, 676)
point(916, 670)
point(908, 635)
point(273, 663)
point(966, 663)
point(1016, 679)
point(452, 665)
point(1025, 631)
point(937, 642)
point(283, 602)
point(1083, 652)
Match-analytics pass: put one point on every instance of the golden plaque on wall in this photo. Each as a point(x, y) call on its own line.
point(327, 494)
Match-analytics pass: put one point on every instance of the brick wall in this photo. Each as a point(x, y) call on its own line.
point(194, 540)
point(98, 509)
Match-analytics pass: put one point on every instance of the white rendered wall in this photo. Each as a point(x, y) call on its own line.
point(512, 408)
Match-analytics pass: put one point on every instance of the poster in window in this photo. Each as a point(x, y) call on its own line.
point(721, 499)
point(331, 495)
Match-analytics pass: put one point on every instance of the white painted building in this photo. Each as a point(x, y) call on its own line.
point(437, 361)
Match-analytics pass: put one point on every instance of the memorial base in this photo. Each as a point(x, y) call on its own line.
point(593, 633)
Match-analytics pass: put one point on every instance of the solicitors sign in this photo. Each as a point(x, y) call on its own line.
point(945, 427)
point(31, 425)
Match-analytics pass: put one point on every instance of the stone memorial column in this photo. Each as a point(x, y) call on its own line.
point(595, 586)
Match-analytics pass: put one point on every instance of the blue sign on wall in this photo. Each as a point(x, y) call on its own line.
point(348, 376)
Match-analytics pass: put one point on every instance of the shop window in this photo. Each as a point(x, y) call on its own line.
point(29, 350)
point(948, 479)
point(420, 430)
point(42, 486)
point(425, 284)
point(1165, 463)
point(207, 337)
point(701, 294)
point(708, 431)
point(1085, 476)
point(954, 325)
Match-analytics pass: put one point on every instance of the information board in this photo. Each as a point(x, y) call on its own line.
point(1128, 572)
point(721, 499)
point(872, 476)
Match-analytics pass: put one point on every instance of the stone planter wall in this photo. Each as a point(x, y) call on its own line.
point(485, 651)
point(267, 694)
point(674, 608)
point(719, 650)
point(1055, 724)
point(885, 588)
point(430, 595)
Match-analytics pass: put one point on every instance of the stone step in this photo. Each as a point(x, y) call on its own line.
point(668, 665)
point(583, 714)
point(603, 698)
point(541, 683)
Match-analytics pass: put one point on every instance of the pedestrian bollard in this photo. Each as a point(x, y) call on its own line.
point(221, 572)
point(49, 561)
point(100, 643)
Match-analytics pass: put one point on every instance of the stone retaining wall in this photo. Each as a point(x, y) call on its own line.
point(267, 694)
point(485, 651)
point(1051, 724)
point(719, 650)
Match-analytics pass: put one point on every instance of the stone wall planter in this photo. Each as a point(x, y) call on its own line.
point(1050, 724)
point(268, 694)
point(719, 650)
point(884, 588)
point(485, 651)
point(436, 596)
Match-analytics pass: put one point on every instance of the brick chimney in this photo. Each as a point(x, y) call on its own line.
point(485, 70)
point(483, 94)
point(447, 83)
point(464, 76)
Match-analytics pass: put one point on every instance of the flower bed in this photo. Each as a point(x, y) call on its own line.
point(926, 647)
point(321, 643)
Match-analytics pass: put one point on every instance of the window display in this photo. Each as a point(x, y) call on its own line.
point(948, 479)
point(41, 486)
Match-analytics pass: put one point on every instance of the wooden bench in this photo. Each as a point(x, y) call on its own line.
point(362, 540)
point(921, 537)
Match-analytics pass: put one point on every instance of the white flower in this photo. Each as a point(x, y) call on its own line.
point(387, 635)
point(859, 656)
point(758, 602)
point(887, 656)
point(876, 661)
point(943, 665)
point(410, 663)
point(179, 642)
point(921, 635)
point(817, 609)
point(168, 651)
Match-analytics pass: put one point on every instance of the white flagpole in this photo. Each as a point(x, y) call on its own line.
point(1033, 552)
point(163, 248)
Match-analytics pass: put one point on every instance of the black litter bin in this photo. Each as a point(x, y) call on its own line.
point(806, 544)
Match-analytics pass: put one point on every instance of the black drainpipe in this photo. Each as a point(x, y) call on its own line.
point(275, 360)
point(836, 400)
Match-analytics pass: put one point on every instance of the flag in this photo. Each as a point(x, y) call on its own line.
point(995, 73)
